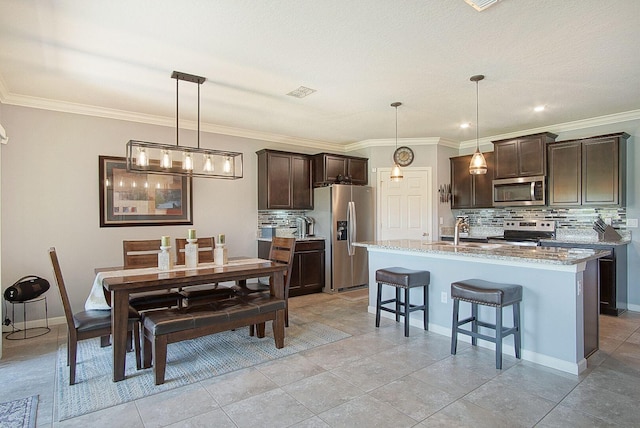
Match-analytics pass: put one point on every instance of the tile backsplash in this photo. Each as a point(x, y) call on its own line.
point(279, 219)
point(567, 219)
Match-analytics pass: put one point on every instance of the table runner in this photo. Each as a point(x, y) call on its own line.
point(97, 301)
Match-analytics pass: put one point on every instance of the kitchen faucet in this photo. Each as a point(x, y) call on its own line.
point(456, 232)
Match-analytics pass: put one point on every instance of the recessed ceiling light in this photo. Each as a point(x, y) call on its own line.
point(539, 108)
point(301, 92)
point(465, 125)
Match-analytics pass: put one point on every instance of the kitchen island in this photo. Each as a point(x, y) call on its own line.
point(559, 310)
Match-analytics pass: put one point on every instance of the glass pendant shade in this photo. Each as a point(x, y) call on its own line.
point(396, 173)
point(478, 164)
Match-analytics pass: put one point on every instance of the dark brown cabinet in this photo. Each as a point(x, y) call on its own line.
point(588, 171)
point(284, 181)
point(328, 166)
point(307, 272)
point(612, 275)
point(471, 191)
point(523, 156)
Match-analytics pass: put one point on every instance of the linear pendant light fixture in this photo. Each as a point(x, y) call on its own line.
point(396, 173)
point(157, 158)
point(478, 163)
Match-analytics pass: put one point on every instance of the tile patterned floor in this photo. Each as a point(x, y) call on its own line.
point(376, 378)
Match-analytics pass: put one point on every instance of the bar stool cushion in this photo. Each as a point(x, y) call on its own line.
point(401, 277)
point(486, 292)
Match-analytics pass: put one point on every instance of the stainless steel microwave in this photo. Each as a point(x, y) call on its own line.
point(509, 192)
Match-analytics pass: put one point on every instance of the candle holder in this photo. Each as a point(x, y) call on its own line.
point(165, 261)
point(191, 253)
point(220, 255)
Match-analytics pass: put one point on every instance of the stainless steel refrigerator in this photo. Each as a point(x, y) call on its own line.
point(344, 214)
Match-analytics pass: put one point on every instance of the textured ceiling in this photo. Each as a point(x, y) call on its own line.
point(580, 58)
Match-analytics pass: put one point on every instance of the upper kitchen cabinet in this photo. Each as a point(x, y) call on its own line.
point(589, 171)
point(284, 181)
point(328, 166)
point(523, 156)
point(471, 191)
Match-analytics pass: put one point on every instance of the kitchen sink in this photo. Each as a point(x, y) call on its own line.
point(478, 245)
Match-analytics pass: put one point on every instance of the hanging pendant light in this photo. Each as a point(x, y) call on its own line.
point(478, 163)
point(396, 173)
point(171, 159)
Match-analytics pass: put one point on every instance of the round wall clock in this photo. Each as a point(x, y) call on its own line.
point(403, 156)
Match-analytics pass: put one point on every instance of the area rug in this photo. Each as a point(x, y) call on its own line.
point(19, 413)
point(187, 362)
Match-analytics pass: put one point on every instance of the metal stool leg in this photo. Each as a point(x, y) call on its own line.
point(474, 323)
point(454, 327)
point(517, 338)
point(499, 337)
point(407, 312)
point(397, 304)
point(379, 299)
point(425, 313)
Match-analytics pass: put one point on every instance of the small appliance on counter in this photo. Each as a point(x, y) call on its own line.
point(306, 226)
point(268, 231)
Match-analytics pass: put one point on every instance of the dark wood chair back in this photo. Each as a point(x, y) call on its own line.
point(205, 250)
point(66, 304)
point(88, 324)
point(282, 250)
point(141, 253)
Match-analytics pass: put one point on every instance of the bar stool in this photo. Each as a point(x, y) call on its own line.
point(403, 278)
point(480, 292)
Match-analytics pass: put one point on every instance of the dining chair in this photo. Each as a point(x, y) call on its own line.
point(88, 324)
point(143, 253)
point(282, 250)
point(206, 293)
point(205, 250)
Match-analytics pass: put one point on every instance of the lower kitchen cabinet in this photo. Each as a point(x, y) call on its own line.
point(612, 275)
point(307, 272)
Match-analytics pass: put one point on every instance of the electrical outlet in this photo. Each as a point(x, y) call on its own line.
point(579, 287)
point(443, 297)
point(632, 222)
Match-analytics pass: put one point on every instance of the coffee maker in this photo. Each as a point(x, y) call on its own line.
point(305, 226)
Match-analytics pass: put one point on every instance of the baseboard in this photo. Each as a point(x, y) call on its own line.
point(534, 357)
point(35, 323)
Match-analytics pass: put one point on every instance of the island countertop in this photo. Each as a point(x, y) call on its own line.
point(541, 255)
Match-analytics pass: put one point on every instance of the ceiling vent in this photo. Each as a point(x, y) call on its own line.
point(301, 92)
point(481, 5)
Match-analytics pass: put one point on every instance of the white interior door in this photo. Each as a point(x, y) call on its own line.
point(405, 207)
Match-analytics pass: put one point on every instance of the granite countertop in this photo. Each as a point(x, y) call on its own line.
point(542, 255)
point(308, 238)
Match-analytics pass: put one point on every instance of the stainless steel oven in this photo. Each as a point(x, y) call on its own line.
point(525, 232)
point(509, 192)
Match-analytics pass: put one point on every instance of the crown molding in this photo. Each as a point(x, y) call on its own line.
point(608, 119)
point(83, 109)
point(385, 142)
point(107, 113)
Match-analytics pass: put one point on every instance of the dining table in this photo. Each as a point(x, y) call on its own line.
point(120, 284)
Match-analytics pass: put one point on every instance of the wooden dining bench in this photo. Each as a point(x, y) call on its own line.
point(162, 327)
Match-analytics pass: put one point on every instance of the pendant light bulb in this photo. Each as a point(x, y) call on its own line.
point(188, 162)
point(396, 172)
point(478, 164)
point(143, 159)
point(227, 165)
point(166, 159)
point(208, 164)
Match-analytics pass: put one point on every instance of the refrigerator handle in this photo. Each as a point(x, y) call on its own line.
point(351, 232)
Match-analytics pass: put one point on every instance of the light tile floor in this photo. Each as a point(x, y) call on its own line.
point(376, 378)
